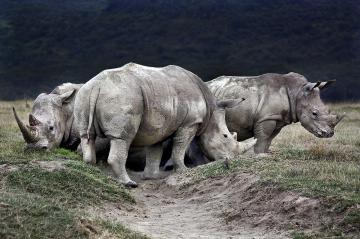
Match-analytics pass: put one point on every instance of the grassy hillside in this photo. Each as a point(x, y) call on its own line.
point(43, 195)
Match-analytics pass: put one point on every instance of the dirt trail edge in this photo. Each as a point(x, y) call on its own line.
point(168, 209)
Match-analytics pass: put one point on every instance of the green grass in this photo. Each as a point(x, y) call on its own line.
point(36, 202)
point(25, 215)
point(75, 185)
point(120, 231)
point(328, 169)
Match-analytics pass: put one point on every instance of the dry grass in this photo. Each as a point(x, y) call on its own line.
point(327, 169)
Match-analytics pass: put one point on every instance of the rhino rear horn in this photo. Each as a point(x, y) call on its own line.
point(33, 121)
point(339, 118)
point(326, 84)
point(29, 134)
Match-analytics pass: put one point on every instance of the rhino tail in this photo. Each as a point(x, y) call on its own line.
point(94, 94)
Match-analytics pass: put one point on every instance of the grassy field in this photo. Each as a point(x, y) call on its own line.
point(327, 169)
point(43, 194)
point(36, 200)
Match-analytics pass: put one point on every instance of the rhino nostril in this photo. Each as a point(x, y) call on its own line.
point(44, 147)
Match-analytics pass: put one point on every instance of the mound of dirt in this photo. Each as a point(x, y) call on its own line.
point(240, 199)
point(168, 211)
point(232, 206)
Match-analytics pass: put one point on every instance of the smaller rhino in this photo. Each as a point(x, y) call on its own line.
point(272, 102)
point(51, 120)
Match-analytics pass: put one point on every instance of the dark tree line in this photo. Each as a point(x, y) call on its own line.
point(44, 43)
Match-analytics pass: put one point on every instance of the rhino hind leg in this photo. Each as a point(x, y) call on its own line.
point(117, 159)
point(153, 158)
point(88, 150)
point(181, 141)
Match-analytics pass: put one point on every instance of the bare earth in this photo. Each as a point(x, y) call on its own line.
point(199, 211)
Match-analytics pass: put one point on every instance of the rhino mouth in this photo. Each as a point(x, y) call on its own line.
point(320, 133)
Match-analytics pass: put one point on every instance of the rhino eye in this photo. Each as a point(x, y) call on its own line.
point(314, 114)
point(51, 128)
point(225, 135)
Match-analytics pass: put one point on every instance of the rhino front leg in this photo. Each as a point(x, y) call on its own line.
point(181, 141)
point(117, 159)
point(264, 133)
point(153, 158)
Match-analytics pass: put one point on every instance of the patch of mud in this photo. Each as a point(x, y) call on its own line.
point(50, 166)
point(6, 168)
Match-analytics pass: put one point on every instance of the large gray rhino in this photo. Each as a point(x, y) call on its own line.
point(143, 106)
point(272, 102)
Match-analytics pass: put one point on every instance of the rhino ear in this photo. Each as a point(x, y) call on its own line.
point(326, 84)
point(65, 98)
point(234, 135)
point(230, 103)
point(310, 86)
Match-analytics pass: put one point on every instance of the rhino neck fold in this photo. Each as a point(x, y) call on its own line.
point(292, 105)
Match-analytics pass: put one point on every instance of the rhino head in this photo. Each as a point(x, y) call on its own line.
point(313, 114)
point(216, 141)
point(47, 121)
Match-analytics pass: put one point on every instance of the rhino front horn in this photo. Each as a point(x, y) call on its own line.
point(30, 135)
point(339, 118)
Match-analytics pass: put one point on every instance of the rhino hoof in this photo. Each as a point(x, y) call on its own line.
point(131, 184)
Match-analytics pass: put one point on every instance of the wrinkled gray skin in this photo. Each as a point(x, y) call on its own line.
point(272, 102)
point(143, 106)
point(51, 120)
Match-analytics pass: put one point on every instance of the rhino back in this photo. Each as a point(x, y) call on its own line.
point(162, 98)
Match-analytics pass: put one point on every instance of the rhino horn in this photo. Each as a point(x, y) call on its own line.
point(29, 134)
point(326, 84)
point(242, 147)
point(339, 118)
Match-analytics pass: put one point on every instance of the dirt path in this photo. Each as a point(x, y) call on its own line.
point(164, 211)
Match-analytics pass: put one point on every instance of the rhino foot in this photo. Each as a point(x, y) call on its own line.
point(130, 184)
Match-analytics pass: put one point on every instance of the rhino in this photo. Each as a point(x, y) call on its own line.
point(272, 102)
point(51, 120)
point(51, 126)
point(137, 105)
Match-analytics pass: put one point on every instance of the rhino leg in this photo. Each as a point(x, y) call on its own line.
point(264, 133)
point(153, 158)
point(117, 159)
point(181, 141)
point(196, 155)
point(88, 150)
